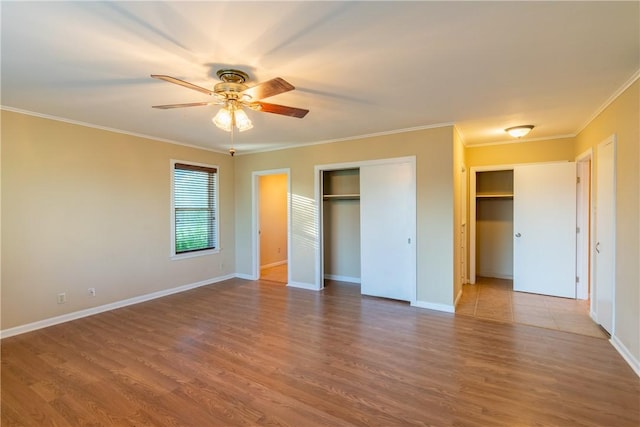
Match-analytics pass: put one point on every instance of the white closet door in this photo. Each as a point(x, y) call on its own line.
point(544, 226)
point(604, 256)
point(387, 230)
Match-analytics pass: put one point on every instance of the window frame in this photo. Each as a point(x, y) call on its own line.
point(172, 213)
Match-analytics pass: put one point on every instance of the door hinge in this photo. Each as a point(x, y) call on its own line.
point(578, 180)
point(577, 279)
point(577, 229)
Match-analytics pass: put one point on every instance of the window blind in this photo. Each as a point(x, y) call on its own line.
point(195, 207)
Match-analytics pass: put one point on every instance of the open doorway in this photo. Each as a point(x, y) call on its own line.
point(340, 236)
point(271, 200)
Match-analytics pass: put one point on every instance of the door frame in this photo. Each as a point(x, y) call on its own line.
point(584, 207)
point(318, 183)
point(464, 192)
point(255, 219)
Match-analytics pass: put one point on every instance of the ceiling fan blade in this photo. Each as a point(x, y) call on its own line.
point(269, 88)
point(191, 104)
point(279, 109)
point(182, 83)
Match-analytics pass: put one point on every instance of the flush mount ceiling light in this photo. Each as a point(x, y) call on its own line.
point(519, 131)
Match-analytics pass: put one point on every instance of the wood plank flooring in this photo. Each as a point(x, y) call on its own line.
point(243, 353)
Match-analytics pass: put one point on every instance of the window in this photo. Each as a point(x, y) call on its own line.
point(195, 208)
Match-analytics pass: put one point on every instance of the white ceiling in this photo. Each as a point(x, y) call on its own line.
point(361, 68)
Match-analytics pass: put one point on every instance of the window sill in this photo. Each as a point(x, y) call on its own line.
point(194, 254)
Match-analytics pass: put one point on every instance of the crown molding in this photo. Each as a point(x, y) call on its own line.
point(610, 100)
point(350, 138)
point(519, 141)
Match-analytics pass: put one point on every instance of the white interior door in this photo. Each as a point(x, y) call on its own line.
point(604, 257)
point(387, 230)
point(544, 226)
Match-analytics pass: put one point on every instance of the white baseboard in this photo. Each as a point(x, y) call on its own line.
point(274, 264)
point(106, 307)
point(434, 306)
point(342, 278)
point(626, 354)
point(302, 285)
point(245, 276)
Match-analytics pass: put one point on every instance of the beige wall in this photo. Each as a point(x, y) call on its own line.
point(83, 207)
point(435, 202)
point(622, 118)
point(273, 219)
point(550, 150)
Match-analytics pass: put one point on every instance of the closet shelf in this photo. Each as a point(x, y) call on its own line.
point(341, 196)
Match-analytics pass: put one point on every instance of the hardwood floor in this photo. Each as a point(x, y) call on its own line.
point(257, 353)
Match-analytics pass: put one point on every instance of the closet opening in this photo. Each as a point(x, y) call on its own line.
point(341, 225)
point(494, 224)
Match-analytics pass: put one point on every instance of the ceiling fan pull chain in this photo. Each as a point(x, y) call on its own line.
point(232, 150)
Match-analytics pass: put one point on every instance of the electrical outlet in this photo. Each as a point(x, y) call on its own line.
point(62, 297)
point(92, 292)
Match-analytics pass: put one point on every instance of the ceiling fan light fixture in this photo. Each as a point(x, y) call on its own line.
point(519, 131)
point(242, 120)
point(223, 119)
point(229, 116)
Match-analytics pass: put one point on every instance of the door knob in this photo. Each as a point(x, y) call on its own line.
point(518, 234)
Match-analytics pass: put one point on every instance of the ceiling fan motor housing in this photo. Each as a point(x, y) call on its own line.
point(232, 83)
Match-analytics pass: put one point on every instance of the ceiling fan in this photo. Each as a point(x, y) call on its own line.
point(233, 94)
